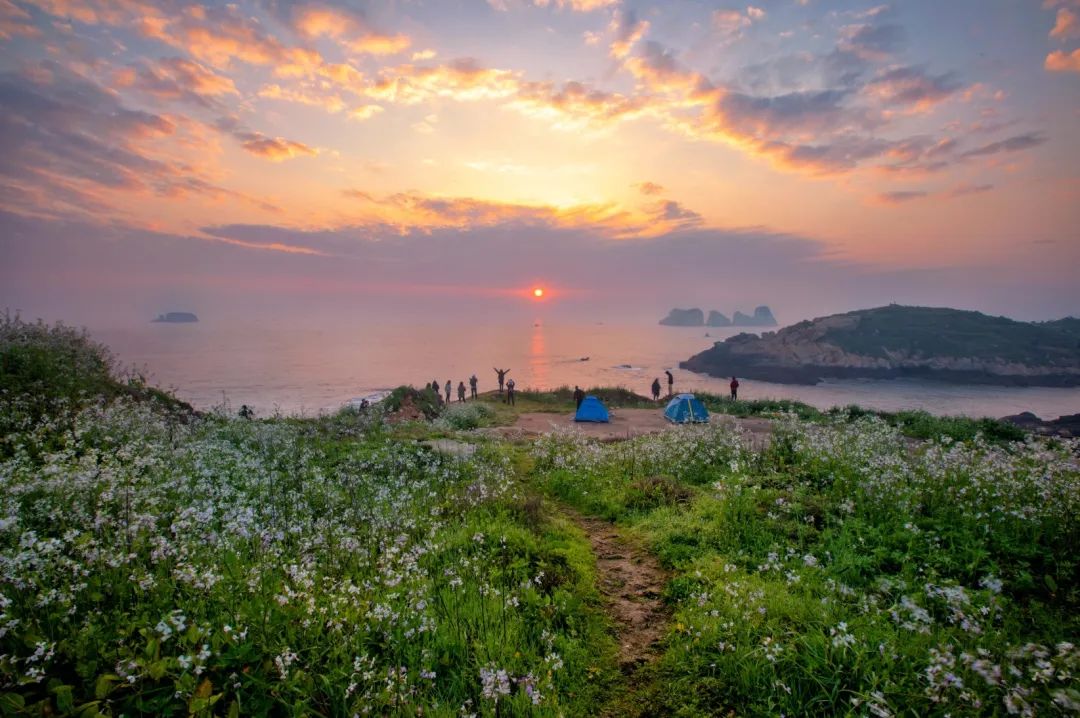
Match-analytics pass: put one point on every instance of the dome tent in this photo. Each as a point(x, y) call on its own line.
point(686, 409)
point(592, 409)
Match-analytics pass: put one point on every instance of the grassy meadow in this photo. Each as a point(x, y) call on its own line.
point(155, 560)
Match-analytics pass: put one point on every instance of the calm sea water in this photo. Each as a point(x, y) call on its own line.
point(317, 368)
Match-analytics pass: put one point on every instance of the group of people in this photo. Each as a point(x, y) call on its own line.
point(734, 386)
point(507, 384)
point(656, 386)
point(510, 393)
point(448, 388)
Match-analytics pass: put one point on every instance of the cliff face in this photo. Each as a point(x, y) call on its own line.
point(894, 341)
point(684, 318)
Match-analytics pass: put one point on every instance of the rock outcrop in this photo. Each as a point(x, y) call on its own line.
point(762, 317)
point(684, 318)
point(894, 342)
point(1064, 426)
point(716, 319)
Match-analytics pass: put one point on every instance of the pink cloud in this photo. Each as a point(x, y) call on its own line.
point(1060, 61)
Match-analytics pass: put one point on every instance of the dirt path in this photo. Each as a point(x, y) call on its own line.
point(631, 580)
point(624, 424)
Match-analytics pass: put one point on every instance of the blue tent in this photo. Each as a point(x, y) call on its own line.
point(686, 408)
point(591, 409)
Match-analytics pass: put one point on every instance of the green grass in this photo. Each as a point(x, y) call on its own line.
point(156, 561)
point(213, 564)
point(839, 572)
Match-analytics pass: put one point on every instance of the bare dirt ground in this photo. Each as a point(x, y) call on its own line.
point(631, 580)
point(624, 424)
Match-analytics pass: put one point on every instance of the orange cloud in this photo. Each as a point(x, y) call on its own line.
point(577, 5)
point(574, 104)
point(14, 22)
point(462, 79)
point(627, 30)
point(263, 246)
point(1060, 61)
point(330, 102)
point(1066, 25)
point(97, 12)
point(408, 211)
point(911, 89)
point(275, 149)
point(176, 78)
point(313, 21)
point(365, 112)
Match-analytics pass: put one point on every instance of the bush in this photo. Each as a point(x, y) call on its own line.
point(461, 417)
point(52, 362)
point(409, 403)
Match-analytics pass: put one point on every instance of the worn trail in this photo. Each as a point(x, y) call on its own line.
point(632, 581)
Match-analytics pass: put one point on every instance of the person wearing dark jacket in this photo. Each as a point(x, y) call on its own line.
point(472, 385)
point(461, 391)
point(656, 389)
point(670, 382)
point(502, 378)
point(579, 396)
point(734, 388)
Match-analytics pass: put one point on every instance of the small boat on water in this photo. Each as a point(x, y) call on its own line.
point(175, 318)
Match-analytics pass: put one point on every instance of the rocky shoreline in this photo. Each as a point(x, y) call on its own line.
point(902, 343)
point(809, 374)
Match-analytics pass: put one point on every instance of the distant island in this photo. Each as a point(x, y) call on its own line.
point(176, 318)
point(762, 317)
point(900, 342)
point(684, 318)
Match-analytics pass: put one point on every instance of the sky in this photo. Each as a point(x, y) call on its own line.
point(359, 158)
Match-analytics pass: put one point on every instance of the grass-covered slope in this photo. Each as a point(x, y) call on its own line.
point(899, 341)
point(843, 571)
point(158, 564)
point(935, 332)
point(162, 562)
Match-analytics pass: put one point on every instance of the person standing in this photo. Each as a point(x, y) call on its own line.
point(461, 391)
point(579, 396)
point(502, 377)
point(510, 393)
point(656, 389)
point(472, 385)
point(449, 388)
point(734, 389)
point(670, 382)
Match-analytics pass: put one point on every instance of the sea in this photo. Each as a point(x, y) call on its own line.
point(308, 368)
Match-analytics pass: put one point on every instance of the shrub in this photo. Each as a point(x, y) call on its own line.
point(406, 403)
point(461, 417)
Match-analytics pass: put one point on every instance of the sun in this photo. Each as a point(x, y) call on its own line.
point(538, 292)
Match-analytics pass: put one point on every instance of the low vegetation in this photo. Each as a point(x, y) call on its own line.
point(159, 561)
point(838, 571)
